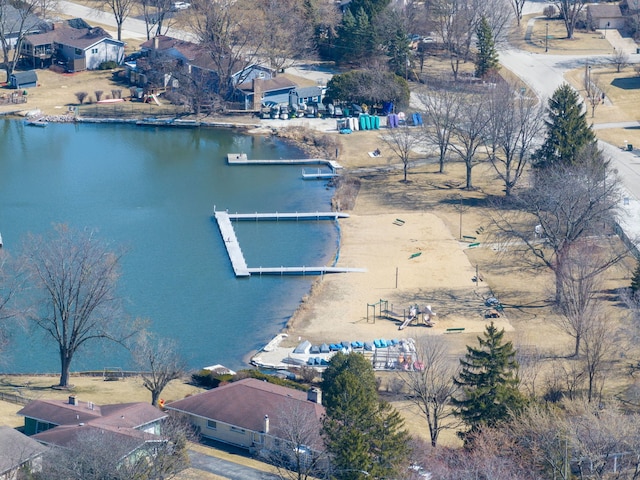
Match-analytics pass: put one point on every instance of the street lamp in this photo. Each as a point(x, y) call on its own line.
point(546, 37)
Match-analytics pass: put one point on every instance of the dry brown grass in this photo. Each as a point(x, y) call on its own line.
point(558, 44)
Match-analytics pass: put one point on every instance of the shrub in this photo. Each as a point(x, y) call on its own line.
point(81, 96)
point(549, 11)
point(110, 65)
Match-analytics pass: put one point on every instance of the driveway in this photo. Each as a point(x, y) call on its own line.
point(224, 468)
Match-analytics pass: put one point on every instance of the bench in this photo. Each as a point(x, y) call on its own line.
point(474, 244)
point(455, 330)
point(398, 222)
point(468, 238)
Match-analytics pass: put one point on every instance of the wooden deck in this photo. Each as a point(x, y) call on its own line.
point(236, 256)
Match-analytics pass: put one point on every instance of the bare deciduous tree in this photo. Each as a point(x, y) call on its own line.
point(121, 10)
point(298, 453)
point(74, 276)
point(469, 131)
point(594, 89)
point(570, 13)
point(432, 388)
point(620, 59)
point(232, 34)
point(156, 16)
point(17, 19)
point(441, 113)
point(514, 127)
point(288, 35)
point(401, 142)
point(160, 363)
point(565, 205)
point(518, 6)
point(97, 453)
point(598, 345)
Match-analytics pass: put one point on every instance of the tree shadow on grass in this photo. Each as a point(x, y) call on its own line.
point(627, 83)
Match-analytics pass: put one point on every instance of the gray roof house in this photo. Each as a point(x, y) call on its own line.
point(249, 413)
point(75, 44)
point(603, 16)
point(18, 452)
point(22, 80)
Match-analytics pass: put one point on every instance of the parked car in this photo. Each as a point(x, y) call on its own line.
point(180, 6)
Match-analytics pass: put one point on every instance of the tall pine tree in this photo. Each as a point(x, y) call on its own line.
point(362, 432)
point(487, 58)
point(489, 383)
point(568, 132)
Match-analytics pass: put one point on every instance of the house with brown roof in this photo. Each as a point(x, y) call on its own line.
point(249, 413)
point(43, 415)
point(183, 59)
point(19, 452)
point(74, 44)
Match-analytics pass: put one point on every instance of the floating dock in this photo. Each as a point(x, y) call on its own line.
point(241, 159)
point(236, 256)
point(319, 175)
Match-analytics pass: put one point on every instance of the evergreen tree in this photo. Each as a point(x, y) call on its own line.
point(355, 36)
point(568, 132)
point(487, 59)
point(399, 52)
point(362, 432)
point(635, 281)
point(489, 382)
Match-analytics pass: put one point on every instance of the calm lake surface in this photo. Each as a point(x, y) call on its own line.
point(152, 191)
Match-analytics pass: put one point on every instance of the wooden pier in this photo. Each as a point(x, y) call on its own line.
point(236, 256)
point(319, 175)
point(241, 159)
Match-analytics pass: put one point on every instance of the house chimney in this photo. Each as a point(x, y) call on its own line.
point(156, 42)
point(73, 400)
point(315, 395)
point(266, 424)
point(256, 86)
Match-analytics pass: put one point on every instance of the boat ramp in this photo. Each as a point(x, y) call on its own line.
point(240, 268)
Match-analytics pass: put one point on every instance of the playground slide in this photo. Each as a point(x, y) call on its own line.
point(405, 323)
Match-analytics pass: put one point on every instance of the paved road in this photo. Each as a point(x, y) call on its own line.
point(543, 73)
point(132, 28)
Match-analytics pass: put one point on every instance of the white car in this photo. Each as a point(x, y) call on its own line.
point(180, 5)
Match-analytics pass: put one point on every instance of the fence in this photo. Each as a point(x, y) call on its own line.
point(14, 398)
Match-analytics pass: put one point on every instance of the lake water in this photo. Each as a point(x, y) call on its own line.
point(152, 191)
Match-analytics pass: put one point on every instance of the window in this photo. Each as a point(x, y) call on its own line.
point(261, 75)
point(237, 430)
point(94, 50)
point(78, 51)
point(212, 425)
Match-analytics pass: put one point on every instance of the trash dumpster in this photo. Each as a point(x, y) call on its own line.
point(629, 147)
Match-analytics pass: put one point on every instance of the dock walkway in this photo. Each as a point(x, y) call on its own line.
point(236, 256)
point(241, 159)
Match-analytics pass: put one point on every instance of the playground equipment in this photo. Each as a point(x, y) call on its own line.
point(414, 316)
point(379, 304)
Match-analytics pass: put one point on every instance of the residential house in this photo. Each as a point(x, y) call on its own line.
point(18, 452)
point(74, 44)
point(184, 59)
point(43, 415)
point(249, 413)
point(605, 16)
